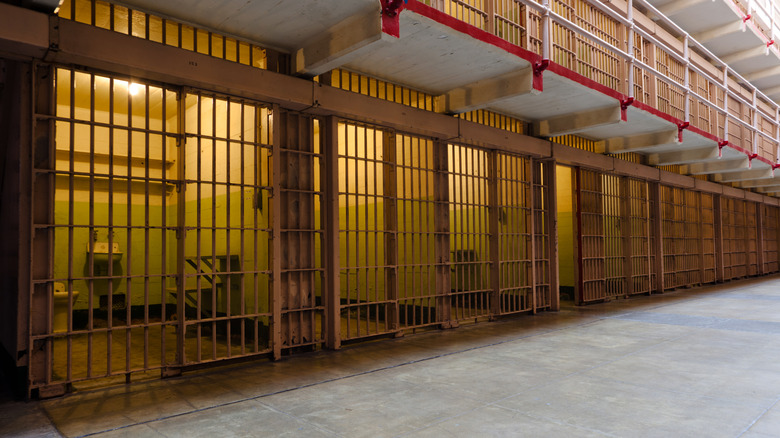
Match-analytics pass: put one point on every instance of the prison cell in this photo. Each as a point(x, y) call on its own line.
point(416, 220)
point(368, 86)
point(590, 236)
point(738, 126)
point(681, 237)
point(613, 206)
point(158, 228)
point(670, 96)
point(734, 238)
point(751, 239)
point(638, 247)
point(543, 212)
point(771, 237)
point(366, 165)
point(139, 24)
point(707, 233)
point(515, 233)
point(511, 20)
point(469, 205)
point(222, 204)
point(581, 54)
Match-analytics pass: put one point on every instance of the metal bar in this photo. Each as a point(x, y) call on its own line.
point(720, 274)
point(276, 239)
point(551, 186)
point(657, 226)
point(332, 239)
point(390, 227)
point(532, 201)
point(700, 244)
point(442, 236)
point(181, 230)
point(494, 229)
point(579, 296)
point(626, 225)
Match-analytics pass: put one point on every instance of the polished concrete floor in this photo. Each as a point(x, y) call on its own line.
point(692, 363)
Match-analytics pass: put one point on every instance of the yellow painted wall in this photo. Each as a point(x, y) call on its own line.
point(565, 226)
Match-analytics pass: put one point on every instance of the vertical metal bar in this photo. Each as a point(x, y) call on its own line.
point(552, 228)
point(164, 229)
point(90, 239)
point(532, 201)
point(760, 238)
point(181, 230)
point(198, 224)
point(547, 41)
point(332, 259)
point(726, 103)
point(699, 225)
point(626, 199)
point(213, 228)
point(110, 230)
point(71, 213)
point(630, 49)
point(147, 222)
point(373, 196)
point(494, 207)
point(129, 229)
point(442, 228)
point(754, 122)
point(36, 97)
point(579, 296)
point(687, 56)
point(391, 228)
point(657, 226)
point(276, 240)
point(491, 16)
point(720, 272)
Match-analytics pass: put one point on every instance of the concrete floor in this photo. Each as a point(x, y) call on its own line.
point(698, 363)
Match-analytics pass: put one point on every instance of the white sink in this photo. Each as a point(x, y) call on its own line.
point(100, 251)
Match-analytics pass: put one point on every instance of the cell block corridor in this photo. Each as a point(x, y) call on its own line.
point(176, 227)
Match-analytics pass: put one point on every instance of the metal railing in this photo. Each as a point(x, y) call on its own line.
point(612, 48)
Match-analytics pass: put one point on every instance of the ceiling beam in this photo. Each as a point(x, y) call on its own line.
point(742, 55)
point(683, 156)
point(708, 35)
point(772, 91)
point(674, 7)
point(338, 45)
point(577, 122)
point(483, 93)
point(761, 74)
point(745, 175)
point(638, 143)
point(718, 167)
point(770, 189)
point(766, 182)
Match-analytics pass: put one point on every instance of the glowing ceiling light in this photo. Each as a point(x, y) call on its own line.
point(134, 89)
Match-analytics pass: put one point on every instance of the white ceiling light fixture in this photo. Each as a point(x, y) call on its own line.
point(47, 6)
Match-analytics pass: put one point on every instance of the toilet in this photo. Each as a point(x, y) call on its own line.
point(61, 307)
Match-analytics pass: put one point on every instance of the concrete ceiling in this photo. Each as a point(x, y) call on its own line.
point(719, 26)
point(470, 72)
point(279, 24)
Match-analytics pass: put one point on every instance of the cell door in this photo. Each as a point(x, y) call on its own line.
point(590, 251)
